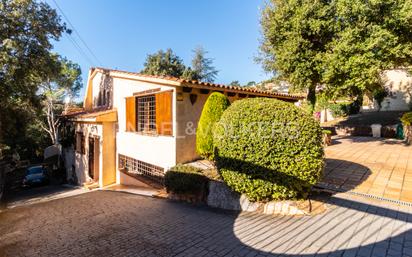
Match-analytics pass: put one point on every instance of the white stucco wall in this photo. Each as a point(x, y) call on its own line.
point(157, 150)
point(398, 83)
point(187, 118)
point(96, 85)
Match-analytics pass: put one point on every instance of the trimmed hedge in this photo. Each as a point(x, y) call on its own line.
point(185, 179)
point(268, 149)
point(213, 109)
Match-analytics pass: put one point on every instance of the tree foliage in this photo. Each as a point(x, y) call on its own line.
point(342, 44)
point(26, 27)
point(167, 63)
point(164, 63)
point(235, 83)
point(64, 83)
point(26, 30)
point(203, 66)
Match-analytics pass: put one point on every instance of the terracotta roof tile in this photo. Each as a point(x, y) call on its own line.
point(207, 84)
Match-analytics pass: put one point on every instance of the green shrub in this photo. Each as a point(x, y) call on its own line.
point(213, 109)
point(379, 95)
point(185, 179)
point(327, 132)
point(338, 110)
point(407, 119)
point(345, 109)
point(268, 149)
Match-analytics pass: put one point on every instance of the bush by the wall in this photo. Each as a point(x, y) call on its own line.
point(345, 109)
point(407, 119)
point(338, 110)
point(185, 179)
point(213, 109)
point(268, 149)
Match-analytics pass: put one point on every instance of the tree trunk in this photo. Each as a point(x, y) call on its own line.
point(311, 97)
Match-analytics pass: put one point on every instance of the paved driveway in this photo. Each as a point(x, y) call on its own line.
point(366, 165)
point(106, 223)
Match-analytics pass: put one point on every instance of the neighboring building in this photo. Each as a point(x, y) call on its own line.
point(398, 83)
point(135, 125)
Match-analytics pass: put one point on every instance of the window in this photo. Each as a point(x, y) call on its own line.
point(146, 114)
point(80, 143)
point(137, 167)
point(150, 113)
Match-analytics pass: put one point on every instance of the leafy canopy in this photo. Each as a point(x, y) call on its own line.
point(343, 44)
point(164, 63)
point(167, 63)
point(64, 83)
point(203, 66)
point(26, 28)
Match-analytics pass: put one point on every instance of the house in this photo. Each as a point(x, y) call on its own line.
point(398, 85)
point(137, 126)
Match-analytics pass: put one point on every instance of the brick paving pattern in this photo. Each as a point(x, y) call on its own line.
point(379, 167)
point(104, 223)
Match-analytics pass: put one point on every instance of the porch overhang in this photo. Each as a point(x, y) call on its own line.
point(94, 117)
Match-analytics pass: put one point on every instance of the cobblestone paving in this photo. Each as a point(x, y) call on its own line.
point(106, 223)
point(366, 165)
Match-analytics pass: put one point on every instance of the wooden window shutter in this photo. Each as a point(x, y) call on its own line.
point(131, 114)
point(164, 113)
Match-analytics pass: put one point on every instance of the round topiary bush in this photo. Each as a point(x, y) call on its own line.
point(213, 109)
point(268, 149)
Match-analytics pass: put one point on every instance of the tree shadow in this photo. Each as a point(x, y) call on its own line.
point(366, 139)
point(342, 175)
point(337, 175)
point(144, 226)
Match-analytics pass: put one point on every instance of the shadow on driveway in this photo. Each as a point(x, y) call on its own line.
point(105, 223)
point(38, 194)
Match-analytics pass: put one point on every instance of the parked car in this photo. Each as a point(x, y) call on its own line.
point(36, 175)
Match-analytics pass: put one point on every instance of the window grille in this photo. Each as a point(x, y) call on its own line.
point(136, 167)
point(146, 114)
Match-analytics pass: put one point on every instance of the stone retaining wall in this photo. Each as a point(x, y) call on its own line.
point(220, 196)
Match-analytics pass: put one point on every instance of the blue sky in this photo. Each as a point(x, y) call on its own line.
point(122, 33)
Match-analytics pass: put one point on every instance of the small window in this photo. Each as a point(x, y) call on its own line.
point(146, 114)
point(132, 167)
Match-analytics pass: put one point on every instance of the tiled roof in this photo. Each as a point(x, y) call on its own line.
point(95, 114)
point(212, 86)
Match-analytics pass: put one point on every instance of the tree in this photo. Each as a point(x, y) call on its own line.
point(370, 37)
point(202, 66)
point(295, 35)
point(190, 74)
point(164, 64)
point(251, 84)
point(343, 45)
point(65, 83)
point(234, 83)
point(26, 28)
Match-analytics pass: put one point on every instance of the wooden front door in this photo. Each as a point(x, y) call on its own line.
point(91, 157)
point(94, 158)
